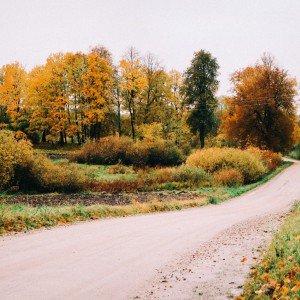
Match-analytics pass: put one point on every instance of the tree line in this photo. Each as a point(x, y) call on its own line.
point(78, 96)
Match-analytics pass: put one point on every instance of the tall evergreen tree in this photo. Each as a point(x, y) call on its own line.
point(200, 86)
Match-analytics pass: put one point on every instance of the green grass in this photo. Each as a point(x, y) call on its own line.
point(20, 217)
point(277, 276)
point(295, 154)
point(100, 172)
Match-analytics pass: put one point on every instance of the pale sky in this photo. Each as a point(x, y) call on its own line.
point(236, 32)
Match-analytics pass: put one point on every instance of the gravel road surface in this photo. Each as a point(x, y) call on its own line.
point(200, 253)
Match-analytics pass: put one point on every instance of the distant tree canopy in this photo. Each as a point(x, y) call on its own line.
point(200, 86)
point(261, 111)
point(76, 96)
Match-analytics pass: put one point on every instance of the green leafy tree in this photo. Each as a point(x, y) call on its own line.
point(200, 86)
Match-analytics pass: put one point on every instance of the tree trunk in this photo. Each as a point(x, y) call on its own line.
point(61, 138)
point(44, 136)
point(202, 137)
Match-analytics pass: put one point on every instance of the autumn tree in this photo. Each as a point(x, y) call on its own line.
point(261, 111)
point(47, 99)
point(12, 95)
point(71, 96)
point(156, 91)
point(132, 84)
point(200, 86)
point(98, 83)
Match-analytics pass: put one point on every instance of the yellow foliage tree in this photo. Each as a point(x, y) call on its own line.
point(12, 95)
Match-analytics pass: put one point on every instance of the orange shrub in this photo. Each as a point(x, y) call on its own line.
point(215, 159)
point(22, 167)
point(271, 159)
point(229, 177)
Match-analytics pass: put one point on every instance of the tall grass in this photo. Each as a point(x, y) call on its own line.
point(277, 276)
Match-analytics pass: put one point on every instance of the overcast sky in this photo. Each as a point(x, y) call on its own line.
point(237, 32)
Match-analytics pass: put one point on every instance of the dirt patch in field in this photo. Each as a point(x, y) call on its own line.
point(97, 198)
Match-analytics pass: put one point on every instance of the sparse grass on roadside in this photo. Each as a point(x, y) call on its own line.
point(277, 276)
point(20, 217)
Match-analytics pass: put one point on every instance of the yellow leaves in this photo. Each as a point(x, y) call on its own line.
point(296, 287)
point(132, 76)
point(12, 90)
point(151, 132)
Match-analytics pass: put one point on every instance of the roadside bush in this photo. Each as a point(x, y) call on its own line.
point(215, 159)
point(229, 177)
point(113, 150)
point(192, 175)
point(270, 159)
point(22, 167)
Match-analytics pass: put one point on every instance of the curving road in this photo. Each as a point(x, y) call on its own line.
point(177, 255)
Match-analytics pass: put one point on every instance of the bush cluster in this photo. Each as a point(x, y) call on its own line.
point(22, 168)
point(229, 177)
point(212, 160)
point(270, 159)
point(113, 150)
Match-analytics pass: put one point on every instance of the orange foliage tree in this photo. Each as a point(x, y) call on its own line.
point(12, 94)
point(261, 111)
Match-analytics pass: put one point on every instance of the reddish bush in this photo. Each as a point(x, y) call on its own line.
point(270, 159)
point(229, 177)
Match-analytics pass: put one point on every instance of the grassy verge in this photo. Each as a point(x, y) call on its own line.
point(19, 217)
point(23, 217)
point(278, 274)
point(220, 194)
point(295, 154)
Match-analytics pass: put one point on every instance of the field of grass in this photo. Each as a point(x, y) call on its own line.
point(277, 276)
point(20, 213)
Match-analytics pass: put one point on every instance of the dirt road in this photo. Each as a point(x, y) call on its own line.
point(195, 253)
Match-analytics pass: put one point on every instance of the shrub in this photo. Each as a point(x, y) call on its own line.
point(113, 150)
point(191, 175)
point(229, 177)
point(120, 169)
point(106, 151)
point(270, 159)
point(117, 186)
point(21, 166)
point(215, 159)
point(161, 175)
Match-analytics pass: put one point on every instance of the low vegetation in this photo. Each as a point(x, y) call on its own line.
point(247, 165)
point(24, 212)
point(123, 150)
point(138, 168)
point(295, 154)
point(20, 217)
point(277, 276)
point(21, 168)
